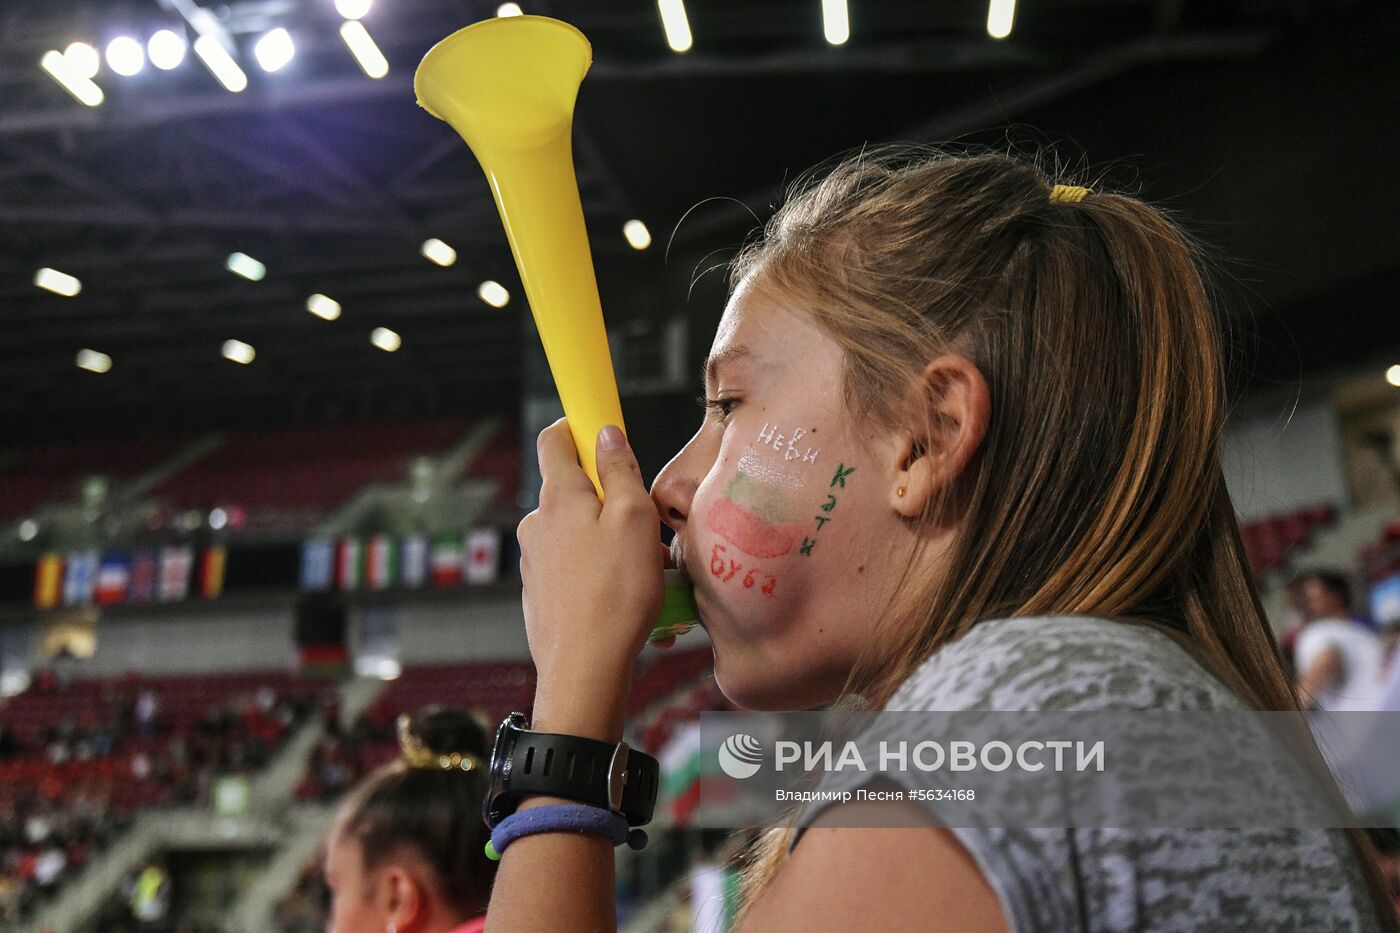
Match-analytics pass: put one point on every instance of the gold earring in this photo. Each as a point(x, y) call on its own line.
point(899, 492)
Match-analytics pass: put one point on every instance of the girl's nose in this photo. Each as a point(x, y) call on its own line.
point(672, 492)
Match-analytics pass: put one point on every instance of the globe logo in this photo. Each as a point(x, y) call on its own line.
point(741, 756)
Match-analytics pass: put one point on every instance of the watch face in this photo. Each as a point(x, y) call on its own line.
point(498, 773)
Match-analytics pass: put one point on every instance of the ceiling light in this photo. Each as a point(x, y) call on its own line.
point(60, 283)
point(275, 50)
point(238, 351)
point(362, 46)
point(94, 361)
point(61, 71)
point(493, 293)
point(218, 518)
point(1000, 15)
point(439, 252)
point(1392, 375)
point(509, 9)
point(637, 234)
point(28, 530)
point(166, 49)
point(220, 64)
point(836, 21)
point(385, 339)
point(246, 266)
point(353, 9)
point(676, 26)
point(82, 60)
point(327, 309)
point(125, 56)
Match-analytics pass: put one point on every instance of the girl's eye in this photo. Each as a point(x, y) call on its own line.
point(719, 408)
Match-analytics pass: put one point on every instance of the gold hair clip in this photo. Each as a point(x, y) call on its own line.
point(414, 755)
point(1068, 194)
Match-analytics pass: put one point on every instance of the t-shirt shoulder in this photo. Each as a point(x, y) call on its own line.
point(1064, 662)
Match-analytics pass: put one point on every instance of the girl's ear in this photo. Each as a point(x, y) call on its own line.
point(949, 409)
point(401, 897)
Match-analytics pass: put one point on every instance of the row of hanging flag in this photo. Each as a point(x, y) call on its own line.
point(381, 562)
point(179, 572)
point(163, 575)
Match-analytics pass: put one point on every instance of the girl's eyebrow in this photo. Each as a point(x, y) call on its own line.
point(729, 354)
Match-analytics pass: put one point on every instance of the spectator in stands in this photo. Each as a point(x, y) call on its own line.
point(1003, 399)
point(1338, 661)
point(406, 851)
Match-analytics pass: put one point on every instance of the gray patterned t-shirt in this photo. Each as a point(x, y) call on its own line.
point(1058, 880)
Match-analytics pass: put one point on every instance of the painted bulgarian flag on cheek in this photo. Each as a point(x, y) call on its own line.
point(757, 519)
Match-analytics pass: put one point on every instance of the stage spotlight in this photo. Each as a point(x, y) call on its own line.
point(327, 309)
point(362, 46)
point(82, 89)
point(60, 283)
point(275, 50)
point(509, 9)
point(674, 22)
point(82, 60)
point(246, 266)
point(439, 252)
point(220, 64)
point(28, 530)
point(385, 339)
point(637, 234)
point(125, 56)
point(836, 21)
point(94, 361)
point(353, 9)
point(493, 293)
point(166, 49)
point(1392, 375)
point(1000, 16)
point(238, 352)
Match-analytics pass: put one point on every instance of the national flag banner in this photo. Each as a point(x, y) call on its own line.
point(413, 561)
point(213, 564)
point(483, 555)
point(175, 564)
point(379, 562)
point(447, 561)
point(142, 587)
point(113, 575)
point(48, 581)
point(348, 559)
point(79, 578)
point(317, 565)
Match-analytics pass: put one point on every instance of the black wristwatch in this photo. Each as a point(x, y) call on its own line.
point(602, 774)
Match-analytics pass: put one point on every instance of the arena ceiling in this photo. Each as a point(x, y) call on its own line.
point(1271, 124)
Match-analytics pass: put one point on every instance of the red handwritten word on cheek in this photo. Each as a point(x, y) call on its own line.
point(725, 569)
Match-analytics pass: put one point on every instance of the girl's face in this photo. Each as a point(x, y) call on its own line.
point(781, 508)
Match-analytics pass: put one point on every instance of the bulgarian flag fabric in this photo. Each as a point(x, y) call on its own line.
point(447, 562)
point(379, 563)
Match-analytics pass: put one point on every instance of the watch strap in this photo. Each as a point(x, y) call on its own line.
point(602, 774)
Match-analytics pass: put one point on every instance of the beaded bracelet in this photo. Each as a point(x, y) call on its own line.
point(563, 817)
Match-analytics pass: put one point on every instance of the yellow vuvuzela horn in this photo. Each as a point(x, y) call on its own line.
point(508, 86)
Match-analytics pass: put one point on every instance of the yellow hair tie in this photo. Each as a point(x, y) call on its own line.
point(1068, 194)
point(413, 754)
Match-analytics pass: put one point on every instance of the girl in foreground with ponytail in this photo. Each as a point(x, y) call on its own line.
point(405, 853)
point(1017, 389)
